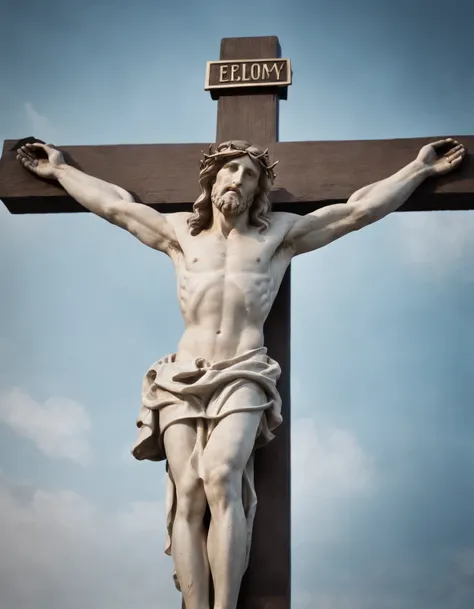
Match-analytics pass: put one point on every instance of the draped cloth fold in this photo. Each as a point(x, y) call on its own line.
point(196, 389)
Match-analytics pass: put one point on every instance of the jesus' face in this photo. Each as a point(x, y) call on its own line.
point(235, 186)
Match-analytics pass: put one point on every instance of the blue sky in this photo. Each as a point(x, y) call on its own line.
point(382, 334)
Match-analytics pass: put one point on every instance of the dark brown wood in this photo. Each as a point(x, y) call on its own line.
point(310, 174)
point(267, 583)
point(247, 73)
point(249, 117)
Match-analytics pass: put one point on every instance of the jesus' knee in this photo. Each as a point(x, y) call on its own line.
point(191, 502)
point(223, 486)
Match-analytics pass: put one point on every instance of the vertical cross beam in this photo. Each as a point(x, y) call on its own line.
point(266, 585)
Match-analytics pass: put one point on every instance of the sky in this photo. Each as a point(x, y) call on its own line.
point(382, 330)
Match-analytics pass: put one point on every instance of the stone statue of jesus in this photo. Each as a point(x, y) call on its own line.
point(209, 406)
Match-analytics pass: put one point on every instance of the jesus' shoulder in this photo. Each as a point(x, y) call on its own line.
point(287, 234)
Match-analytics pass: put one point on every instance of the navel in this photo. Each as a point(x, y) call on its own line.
point(195, 259)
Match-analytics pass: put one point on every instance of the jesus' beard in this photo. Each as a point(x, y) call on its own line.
point(230, 205)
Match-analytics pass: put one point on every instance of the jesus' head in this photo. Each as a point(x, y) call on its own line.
point(235, 178)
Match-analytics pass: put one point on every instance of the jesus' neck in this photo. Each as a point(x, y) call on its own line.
point(225, 224)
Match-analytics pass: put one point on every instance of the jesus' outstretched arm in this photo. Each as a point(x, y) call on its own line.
point(101, 198)
point(372, 202)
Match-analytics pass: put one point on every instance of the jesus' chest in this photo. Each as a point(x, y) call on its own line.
point(216, 255)
point(218, 279)
point(240, 272)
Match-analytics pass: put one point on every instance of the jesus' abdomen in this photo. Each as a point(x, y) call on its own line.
point(224, 311)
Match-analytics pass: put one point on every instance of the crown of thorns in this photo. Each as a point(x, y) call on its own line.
point(237, 149)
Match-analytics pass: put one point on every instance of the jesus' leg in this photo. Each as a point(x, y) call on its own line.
point(224, 460)
point(188, 538)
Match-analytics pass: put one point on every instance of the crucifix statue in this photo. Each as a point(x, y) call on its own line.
point(209, 406)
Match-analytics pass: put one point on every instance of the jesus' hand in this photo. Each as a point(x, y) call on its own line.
point(42, 160)
point(439, 165)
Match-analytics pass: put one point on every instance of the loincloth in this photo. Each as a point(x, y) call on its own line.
point(175, 391)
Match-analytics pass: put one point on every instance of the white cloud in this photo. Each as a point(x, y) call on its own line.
point(327, 465)
point(64, 551)
point(58, 427)
point(439, 580)
point(436, 242)
point(141, 517)
point(464, 561)
point(42, 128)
point(331, 461)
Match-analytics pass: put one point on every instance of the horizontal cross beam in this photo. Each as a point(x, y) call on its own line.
point(310, 175)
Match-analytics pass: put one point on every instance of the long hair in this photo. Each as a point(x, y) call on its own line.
point(201, 217)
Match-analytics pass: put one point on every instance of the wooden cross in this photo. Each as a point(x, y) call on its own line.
point(310, 175)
